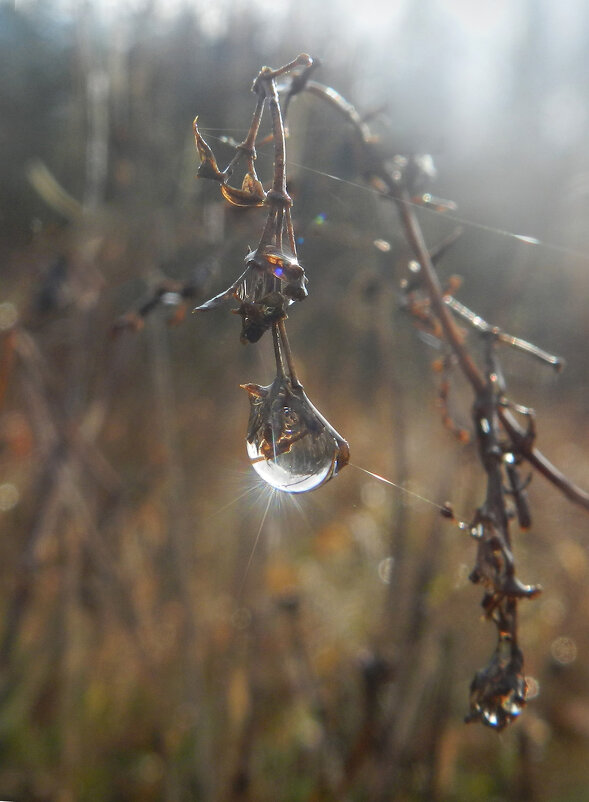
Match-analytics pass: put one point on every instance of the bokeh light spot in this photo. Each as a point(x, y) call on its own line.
point(532, 688)
point(385, 570)
point(564, 650)
point(8, 315)
point(9, 496)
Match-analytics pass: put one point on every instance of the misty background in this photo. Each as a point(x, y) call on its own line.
point(147, 649)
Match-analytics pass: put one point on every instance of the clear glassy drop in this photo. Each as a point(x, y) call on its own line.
point(498, 691)
point(290, 444)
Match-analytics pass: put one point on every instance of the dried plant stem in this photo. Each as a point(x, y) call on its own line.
point(453, 334)
point(279, 184)
point(536, 458)
point(277, 351)
point(248, 146)
point(278, 198)
point(498, 691)
point(376, 170)
point(288, 354)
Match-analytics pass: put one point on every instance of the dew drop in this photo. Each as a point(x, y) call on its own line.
point(491, 718)
point(292, 447)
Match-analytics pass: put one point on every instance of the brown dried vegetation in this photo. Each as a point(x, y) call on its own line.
point(145, 653)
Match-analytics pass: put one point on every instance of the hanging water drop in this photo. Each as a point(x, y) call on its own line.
point(292, 447)
point(498, 691)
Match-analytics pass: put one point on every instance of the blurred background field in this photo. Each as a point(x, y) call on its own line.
point(147, 650)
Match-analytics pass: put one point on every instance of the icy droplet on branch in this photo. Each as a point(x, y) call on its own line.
point(290, 444)
point(498, 691)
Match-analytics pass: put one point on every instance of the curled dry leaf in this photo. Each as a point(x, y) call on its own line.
point(208, 164)
point(251, 193)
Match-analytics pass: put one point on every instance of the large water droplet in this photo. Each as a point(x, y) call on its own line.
point(290, 444)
